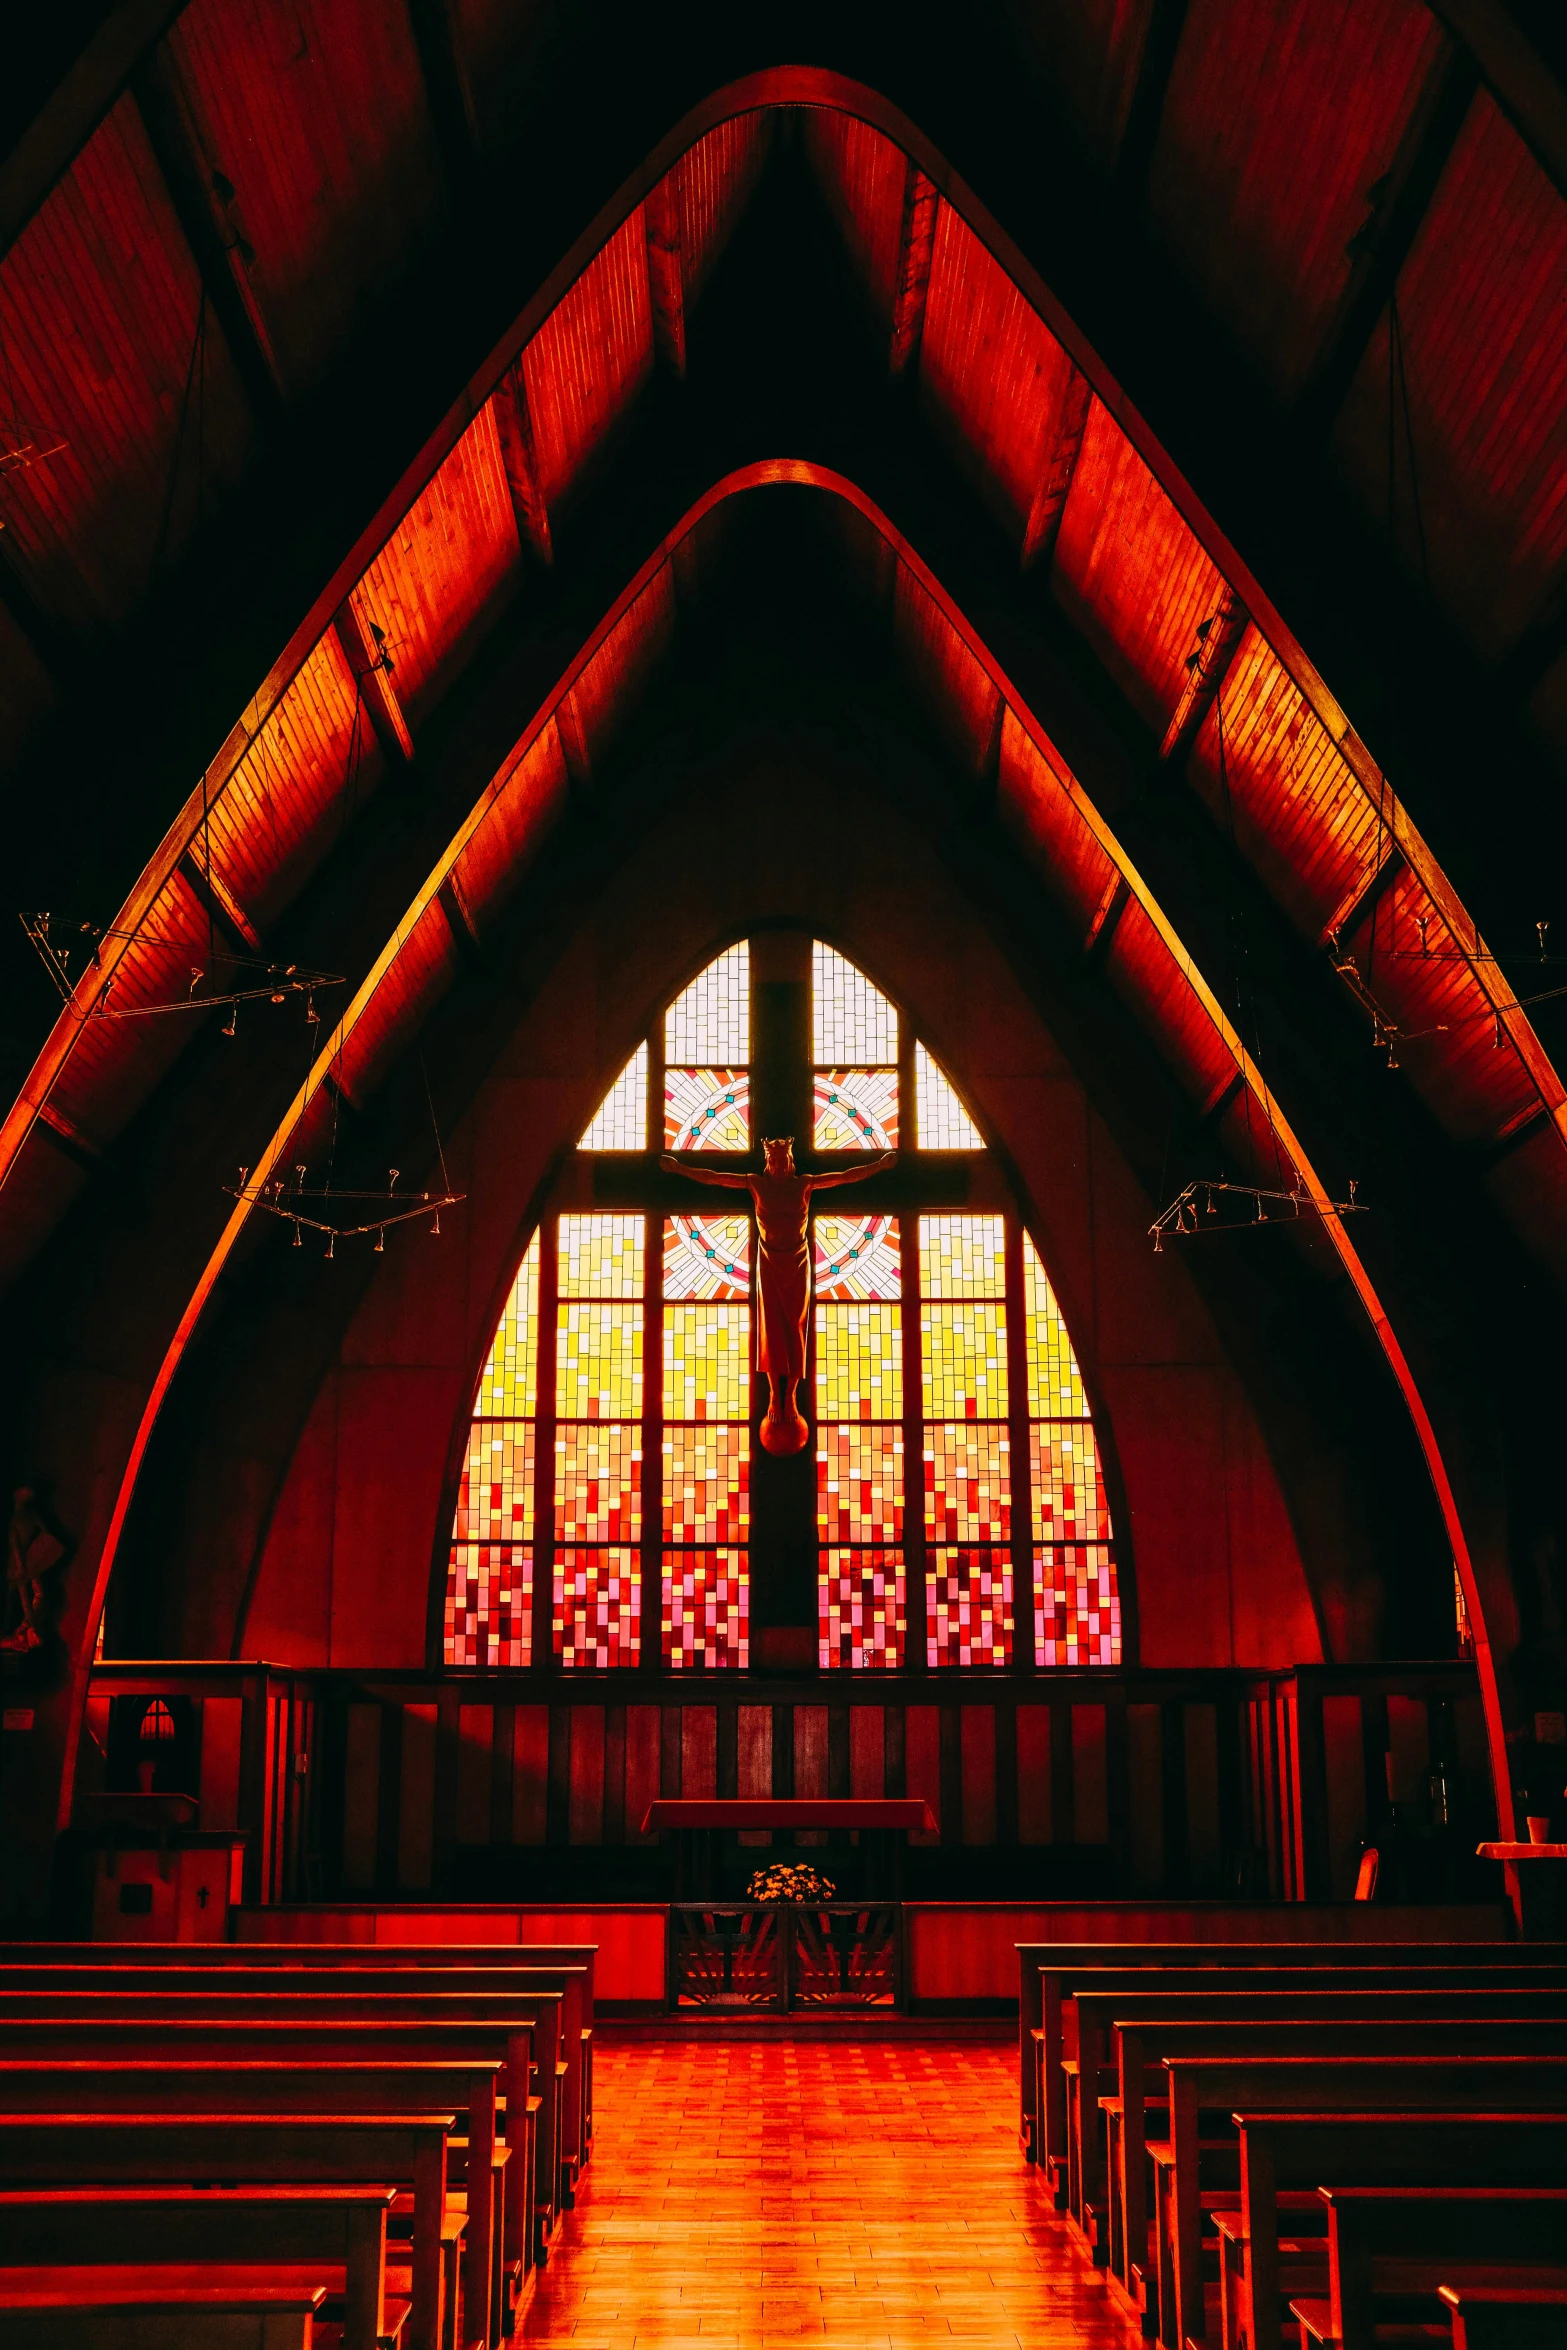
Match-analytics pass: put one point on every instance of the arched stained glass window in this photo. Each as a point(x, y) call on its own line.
point(613, 1499)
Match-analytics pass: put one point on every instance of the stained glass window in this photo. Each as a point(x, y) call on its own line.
point(850, 1019)
point(862, 1583)
point(620, 1123)
point(967, 1445)
point(711, 1021)
point(598, 1607)
point(944, 1124)
point(1077, 1602)
point(707, 1441)
point(489, 1584)
point(598, 1456)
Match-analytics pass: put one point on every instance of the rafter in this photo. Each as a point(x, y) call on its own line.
point(1161, 44)
point(449, 96)
point(1055, 479)
point(916, 244)
point(666, 272)
point(371, 666)
point(1364, 898)
point(203, 211)
point(573, 742)
point(57, 135)
point(220, 901)
point(514, 425)
point(1206, 669)
point(69, 1139)
point(459, 922)
point(1399, 204)
point(1101, 929)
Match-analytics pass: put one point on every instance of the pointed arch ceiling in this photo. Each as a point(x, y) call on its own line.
point(1088, 497)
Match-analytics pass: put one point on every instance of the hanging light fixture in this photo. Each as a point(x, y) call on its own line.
point(1182, 1221)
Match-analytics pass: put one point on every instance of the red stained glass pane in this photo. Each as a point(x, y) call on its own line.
point(863, 1601)
point(707, 1480)
point(859, 1483)
point(968, 1482)
point(968, 1601)
point(1069, 1486)
point(495, 1496)
point(1077, 1605)
point(489, 1605)
point(598, 1482)
point(597, 1608)
point(707, 1595)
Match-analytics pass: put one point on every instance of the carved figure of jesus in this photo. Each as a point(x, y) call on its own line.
point(782, 1199)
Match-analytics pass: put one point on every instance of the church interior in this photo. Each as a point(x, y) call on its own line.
point(601, 607)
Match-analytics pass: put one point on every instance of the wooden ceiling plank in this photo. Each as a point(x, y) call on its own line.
point(85, 98)
point(372, 673)
point(1387, 240)
point(1055, 479)
point(1527, 91)
point(916, 244)
point(214, 243)
point(666, 273)
point(1207, 669)
point(514, 424)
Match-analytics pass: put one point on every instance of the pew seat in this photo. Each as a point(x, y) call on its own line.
point(1506, 2317)
point(105, 2307)
point(1389, 2250)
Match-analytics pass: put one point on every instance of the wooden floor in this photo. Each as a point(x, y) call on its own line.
point(743, 2193)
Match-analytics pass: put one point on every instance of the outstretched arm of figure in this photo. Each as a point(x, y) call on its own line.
point(853, 1174)
point(672, 1166)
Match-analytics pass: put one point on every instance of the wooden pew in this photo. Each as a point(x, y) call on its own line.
point(1098, 2013)
point(532, 2018)
point(564, 2103)
point(424, 1957)
point(1383, 2026)
point(1401, 2244)
point(1403, 2091)
point(103, 2308)
point(1040, 2012)
point(119, 2149)
point(1506, 2317)
point(143, 2084)
point(340, 2232)
point(314, 2041)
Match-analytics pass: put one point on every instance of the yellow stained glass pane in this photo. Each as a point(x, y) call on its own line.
point(859, 1362)
point(601, 1256)
point(859, 1484)
point(963, 1256)
point(968, 1483)
point(1070, 1504)
point(963, 1349)
point(707, 1362)
point(707, 1483)
point(598, 1484)
point(495, 1498)
point(598, 1361)
point(509, 1389)
point(1055, 1385)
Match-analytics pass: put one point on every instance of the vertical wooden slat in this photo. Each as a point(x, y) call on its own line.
point(867, 1752)
point(389, 1805)
point(416, 1801)
point(838, 1749)
point(585, 1802)
point(500, 1774)
point(443, 1801)
point(614, 1774)
point(530, 1775)
point(669, 1736)
point(1146, 1773)
point(1090, 1780)
point(475, 1734)
point(699, 1751)
point(783, 1752)
point(361, 1775)
point(728, 1751)
point(1035, 1824)
point(643, 1732)
point(1061, 1804)
point(1172, 1784)
point(977, 1800)
point(1006, 1774)
point(922, 1762)
point(810, 1750)
point(557, 1784)
point(894, 1766)
point(1202, 1797)
point(222, 1722)
point(951, 1805)
point(1344, 1792)
point(754, 1761)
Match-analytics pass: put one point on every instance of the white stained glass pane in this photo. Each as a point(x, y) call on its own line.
point(600, 1256)
point(963, 1256)
point(944, 1124)
point(850, 1019)
point(711, 1022)
point(621, 1120)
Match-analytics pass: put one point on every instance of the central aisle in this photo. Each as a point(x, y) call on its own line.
point(746, 2192)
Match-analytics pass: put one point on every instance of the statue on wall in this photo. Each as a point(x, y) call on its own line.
point(32, 1548)
point(782, 1199)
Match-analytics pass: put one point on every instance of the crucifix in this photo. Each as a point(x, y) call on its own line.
point(781, 1196)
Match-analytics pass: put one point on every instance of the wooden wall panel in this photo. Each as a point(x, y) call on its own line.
point(642, 1753)
point(361, 1770)
point(1033, 1774)
point(1345, 1770)
point(922, 1761)
point(585, 1806)
point(754, 1761)
point(1203, 1836)
point(1090, 1777)
point(699, 1751)
point(475, 1736)
point(222, 1720)
point(810, 1750)
point(1145, 1761)
point(530, 1774)
point(867, 1752)
point(1408, 1747)
point(977, 1747)
point(416, 1801)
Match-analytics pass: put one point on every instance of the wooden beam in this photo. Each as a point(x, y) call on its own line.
point(573, 742)
point(69, 1139)
point(514, 425)
point(466, 939)
point(449, 96)
point(916, 244)
point(52, 141)
point(204, 213)
point(1108, 912)
point(1363, 898)
point(1379, 250)
point(1222, 1098)
point(1055, 480)
point(220, 901)
point(666, 272)
point(372, 668)
point(1161, 44)
point(1523, 1128)
point(1206, 669)
point(1523, 85)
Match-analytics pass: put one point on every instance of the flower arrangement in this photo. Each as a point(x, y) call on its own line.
point(783, 1882)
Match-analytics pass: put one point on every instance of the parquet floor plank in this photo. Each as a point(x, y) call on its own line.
point(868, 2195)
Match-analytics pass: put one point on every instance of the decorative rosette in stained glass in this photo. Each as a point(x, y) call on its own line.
point(707, 1257)
point(856, 1110)
point(707, 1109)
point(857, 1258)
